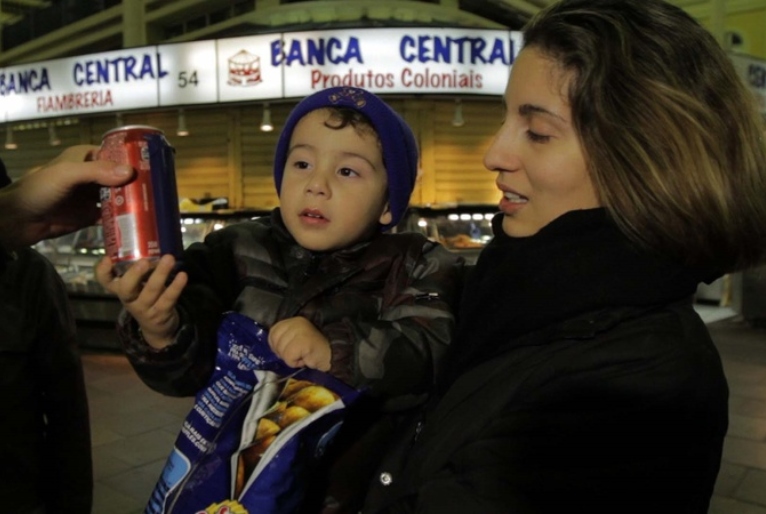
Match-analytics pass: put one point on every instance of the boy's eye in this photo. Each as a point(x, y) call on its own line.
point(301, 165)
point(347, 172)
point(537, 138)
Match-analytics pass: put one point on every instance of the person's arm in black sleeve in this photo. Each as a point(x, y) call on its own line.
point(184, 367)
point(69, 474)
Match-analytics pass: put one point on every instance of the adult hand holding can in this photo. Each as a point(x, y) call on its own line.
point(141, 220)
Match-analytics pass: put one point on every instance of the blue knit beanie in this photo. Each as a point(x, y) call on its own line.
point(399, 148)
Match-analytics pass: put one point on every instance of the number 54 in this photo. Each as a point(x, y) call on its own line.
point(185, 78)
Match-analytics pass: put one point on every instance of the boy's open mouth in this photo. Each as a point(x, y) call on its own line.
point(314, 214)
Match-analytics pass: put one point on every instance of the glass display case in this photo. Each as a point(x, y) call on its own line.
point(464, 229)
point(76, 254)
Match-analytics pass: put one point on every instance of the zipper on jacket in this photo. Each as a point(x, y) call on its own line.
point(314, 260)
point(427, 296)
point(418, 430)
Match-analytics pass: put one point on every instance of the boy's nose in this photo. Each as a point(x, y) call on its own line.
point(317, 184)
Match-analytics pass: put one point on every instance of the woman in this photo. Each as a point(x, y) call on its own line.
point(631, 166)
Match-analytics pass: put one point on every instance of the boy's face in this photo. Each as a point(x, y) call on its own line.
point(334, 186)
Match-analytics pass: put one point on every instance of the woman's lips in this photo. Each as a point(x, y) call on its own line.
point(512, 201)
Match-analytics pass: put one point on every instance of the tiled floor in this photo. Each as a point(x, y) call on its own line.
point(133, 430)
point(741, 486)
point(134, 427)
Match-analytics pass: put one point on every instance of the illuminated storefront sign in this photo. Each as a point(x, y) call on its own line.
point(262, 67)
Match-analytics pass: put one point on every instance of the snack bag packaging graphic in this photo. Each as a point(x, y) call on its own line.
point(255, 430)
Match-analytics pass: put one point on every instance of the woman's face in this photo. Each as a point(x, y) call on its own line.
point(538, 156)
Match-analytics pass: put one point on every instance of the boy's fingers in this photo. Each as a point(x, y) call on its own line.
point(275, 336)
point(275, 343)
point(155, 283)
point(291, 357)
point(104, 272)
point(297, 363)
point(169, 298)
point(128, 287)
point(282, 347)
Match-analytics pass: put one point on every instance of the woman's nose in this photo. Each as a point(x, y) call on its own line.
point(502, 154)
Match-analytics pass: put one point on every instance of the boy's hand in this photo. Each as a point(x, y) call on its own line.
point(148, 300)
point(298, 342)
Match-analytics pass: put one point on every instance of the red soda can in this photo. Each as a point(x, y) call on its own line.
point(141, 220)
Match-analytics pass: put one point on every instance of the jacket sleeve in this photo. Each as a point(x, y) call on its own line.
point(398, 355)
point(182, 368)
point(67, 442)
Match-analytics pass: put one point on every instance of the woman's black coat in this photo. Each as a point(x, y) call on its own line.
point(621, 408)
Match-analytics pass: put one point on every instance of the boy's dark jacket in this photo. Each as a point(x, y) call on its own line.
point(45, 444)
point(385, 305)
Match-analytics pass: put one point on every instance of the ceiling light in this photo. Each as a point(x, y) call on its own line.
point(457, 119)
point(266, 125)
point(10, 144)
point(53, 138)
point(182, 130)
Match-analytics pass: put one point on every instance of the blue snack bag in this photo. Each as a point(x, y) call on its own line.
point(253, 433)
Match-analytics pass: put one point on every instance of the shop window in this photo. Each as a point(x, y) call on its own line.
point(219, 16)
point(200, 22)
point(242, 7)
point(174, 30)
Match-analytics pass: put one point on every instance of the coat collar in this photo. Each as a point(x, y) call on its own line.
point(578, 265)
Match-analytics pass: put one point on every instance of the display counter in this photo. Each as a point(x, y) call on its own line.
point(463, 229)
point(75, 256)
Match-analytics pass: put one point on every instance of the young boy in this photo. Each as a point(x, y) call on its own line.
point(335, 292)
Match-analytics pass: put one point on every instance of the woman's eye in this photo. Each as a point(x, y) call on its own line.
point(301, 165)
point(537, 138)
